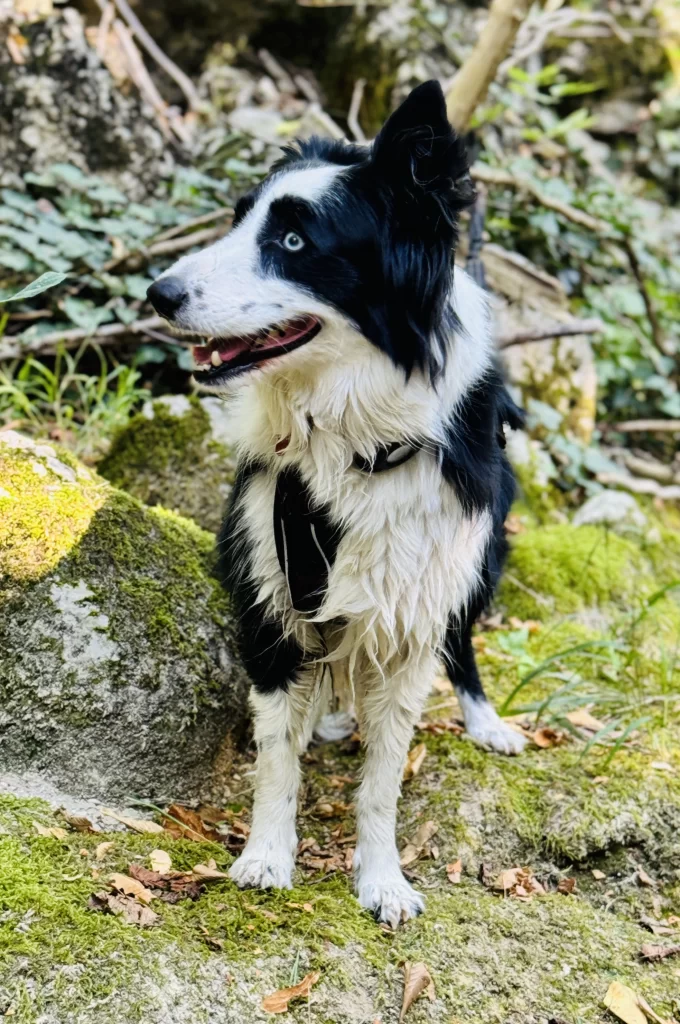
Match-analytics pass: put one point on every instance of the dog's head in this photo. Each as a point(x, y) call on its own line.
point(337, 235)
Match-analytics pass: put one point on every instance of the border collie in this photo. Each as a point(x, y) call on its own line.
point(365, 530)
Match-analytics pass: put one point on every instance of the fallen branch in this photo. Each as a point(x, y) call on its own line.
point(639, 486)
point(471, 84)
point(556, 330)
point(168, 246)
point(637, 426)
point(354, 108)
point(48, 343)
point(161, 58)
point(494, 176)
point(194, 222)
point(651, 468)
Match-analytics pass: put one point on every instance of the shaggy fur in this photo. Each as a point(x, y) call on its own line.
point(365, 529)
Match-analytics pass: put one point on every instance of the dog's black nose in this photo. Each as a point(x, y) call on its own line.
point(167, 295)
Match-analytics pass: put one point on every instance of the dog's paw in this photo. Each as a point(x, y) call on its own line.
point(335, 727)
point(263, 869)
point(392, 902)
point(498, 736)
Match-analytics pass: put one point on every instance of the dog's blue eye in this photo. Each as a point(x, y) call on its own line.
point(293, 242)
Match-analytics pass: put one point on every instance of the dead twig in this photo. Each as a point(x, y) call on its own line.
point(168, 246)
point(104, 28)
point(161, 58)
point(354, 108)
point(494, 176)
point(471, 84)
point(535, 32)
point(188, 225)
point(639, 426)
point(556, 330)
point(654, 322)
point(271, 65)
point(47, 343)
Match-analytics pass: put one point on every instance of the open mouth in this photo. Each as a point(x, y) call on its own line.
point(219, 358)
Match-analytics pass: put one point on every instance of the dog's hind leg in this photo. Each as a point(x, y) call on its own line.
point(388, 711)
point(281, 732)
point(482, 722)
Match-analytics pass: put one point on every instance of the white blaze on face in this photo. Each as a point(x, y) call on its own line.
point(229, 293)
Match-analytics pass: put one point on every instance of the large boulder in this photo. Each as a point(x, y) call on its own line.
point(60, 104)
point(117, 675)
point(176, 452)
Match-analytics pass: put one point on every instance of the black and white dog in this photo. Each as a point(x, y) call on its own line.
point(365, 531)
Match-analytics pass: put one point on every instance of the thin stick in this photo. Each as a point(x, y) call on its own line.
point(194, 222)
point(172, 245)
point(104, 28)
point(493, 176)
point(654, 322)
point(635, 426)
point(354, 108)
point(556, 330)
point(72, 337)
point(162, 59)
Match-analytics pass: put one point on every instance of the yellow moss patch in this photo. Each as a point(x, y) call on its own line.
point(42, 516)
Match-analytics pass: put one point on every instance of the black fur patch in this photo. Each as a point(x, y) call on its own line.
point(380, 247)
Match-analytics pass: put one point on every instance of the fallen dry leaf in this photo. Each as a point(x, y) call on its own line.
point(660, 927)
point(454, 872)
point(597, 874)
point(531, 624)
point(126, 907)
point(518, 883)
point(131, 887)
point(418, 844)
point(136, 824)
point(261, 910)
point(145, 876)
point(209, 870)
point(662, 766)
point(643, 878)
point(417, 979)
point(583, 719)
point(566, 886)
point(101, 850)
point(187, 824)
point(414, 761)
point(160, 861)
point(623, 1003)
point(651, 952)
point(277, 1002)
point(50, 833)
point(548, 737)
point(79, 824)
point(330, 809)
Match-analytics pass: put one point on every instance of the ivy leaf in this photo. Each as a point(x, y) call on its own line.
point(50, 279)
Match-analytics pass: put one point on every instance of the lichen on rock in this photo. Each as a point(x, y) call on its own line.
point(175, 453)
point(117, 675)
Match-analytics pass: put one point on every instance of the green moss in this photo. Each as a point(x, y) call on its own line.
point(565, 569)
point(172, 460)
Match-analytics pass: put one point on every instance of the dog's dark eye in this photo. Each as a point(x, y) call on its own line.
point(293, 242)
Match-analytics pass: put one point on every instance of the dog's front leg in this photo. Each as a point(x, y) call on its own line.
point(388, 711)
point(268, 859)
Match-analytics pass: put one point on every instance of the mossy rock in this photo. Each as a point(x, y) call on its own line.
point(116, 670)
point(174, 454)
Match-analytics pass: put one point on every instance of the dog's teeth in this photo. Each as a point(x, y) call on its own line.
point(215, 358)
point(208, 340)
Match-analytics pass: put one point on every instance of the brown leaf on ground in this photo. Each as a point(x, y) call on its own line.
point(131, 886)
point(643, 878)
point(419, 844)
point(518, 883)
point(417, 979)
point(277, 1002)
point(187, 824)
point(126, 907)
point(454, 872)
point(209, 871)
point(438, 728)
point(532, 625)
point(146, 877)
point(136, 824)
point(261, 910)
point(566, 886)
point(623, 1003)
point(597, 874)
point(414, 761)
point(79, 824)
point(583, 719)
point(101, 850)
point(549, 737)
point(160, 862)
point(330, 809)
point(50, 833)
point(651, 952)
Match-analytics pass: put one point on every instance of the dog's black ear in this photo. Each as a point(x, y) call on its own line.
point(418, 149)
